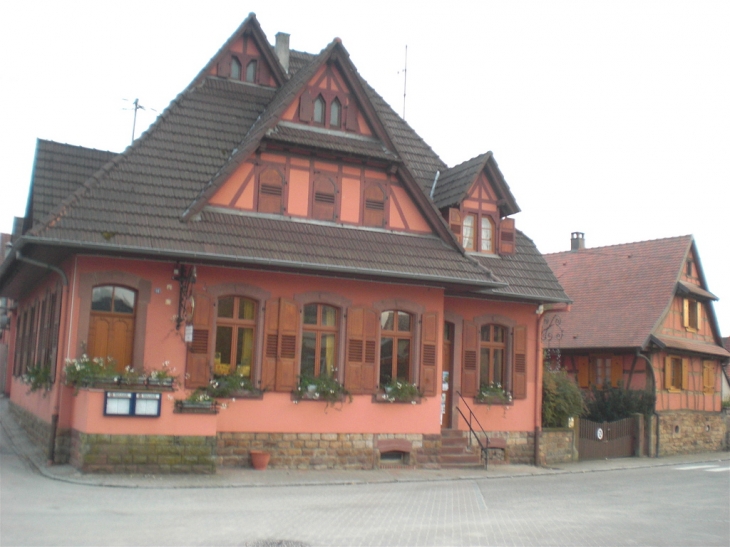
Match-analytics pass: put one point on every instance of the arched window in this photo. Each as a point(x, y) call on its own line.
point(487, 235)
point(319, 340)
point(111, 325)
point(318, 112)
point(492, 360)
point(270, 191)
point(323, 199)
point(468, 236)
point(235, 69)
point(335, 113)
point(234, 335)
point(396, 341)
point(251, 71)
point(374, 206)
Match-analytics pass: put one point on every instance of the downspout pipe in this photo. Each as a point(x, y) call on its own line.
point(650, 368)
point(57, 376)
point(538, 383)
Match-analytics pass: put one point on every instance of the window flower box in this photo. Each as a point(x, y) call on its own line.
point(493, 394)
point(320, 388)
point(398, 391)
point(195, 407)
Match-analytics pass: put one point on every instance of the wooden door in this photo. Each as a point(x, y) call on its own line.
point(111, 325)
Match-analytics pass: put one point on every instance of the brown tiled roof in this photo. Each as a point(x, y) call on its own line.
point(620, 293)
point(526, 272)
point(59, 170)
point(695, 346)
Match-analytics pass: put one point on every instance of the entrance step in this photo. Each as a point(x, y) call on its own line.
point(455, 452)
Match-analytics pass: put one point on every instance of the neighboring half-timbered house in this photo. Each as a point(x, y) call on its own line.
point(278, 220)
point(642, 318)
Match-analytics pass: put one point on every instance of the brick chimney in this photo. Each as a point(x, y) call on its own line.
point(577, 241)
point(282, 49)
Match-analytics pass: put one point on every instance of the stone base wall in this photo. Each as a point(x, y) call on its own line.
point(323, 450)
point(520, 446)
point(39, 432)
point(689, 431)
point(150, 454)
point(556, 446)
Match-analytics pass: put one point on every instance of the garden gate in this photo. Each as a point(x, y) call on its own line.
point(598, 441)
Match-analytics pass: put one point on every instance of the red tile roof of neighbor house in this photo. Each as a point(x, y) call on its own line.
point(152, 198)
point(621, 294)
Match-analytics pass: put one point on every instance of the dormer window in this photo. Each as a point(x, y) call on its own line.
point(335, 113)
point(235, 69)
point(251, 71)
point(318, 112)
point(467, 232)
point(487, 235)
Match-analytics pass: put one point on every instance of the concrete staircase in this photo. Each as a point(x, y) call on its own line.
point(456, 453)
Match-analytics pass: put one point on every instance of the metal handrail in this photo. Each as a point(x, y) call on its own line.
point(468, 420)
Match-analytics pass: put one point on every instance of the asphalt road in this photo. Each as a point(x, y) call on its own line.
point(674, 505)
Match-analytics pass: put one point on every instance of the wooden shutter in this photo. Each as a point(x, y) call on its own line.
point(667, 372)
point(685, 373)
point(351, 123)
point(271, 191)
point(264, 74)
point(197, 373)
point(429, 341)
point(708, 376)
point(360, 351)
point(685, 313)
point(593, 373)
point(323, 199)
point(699, 315)
point(306, 106)
point(507, 236)
point(287, 358)
point(224, 68)
point(470, 361)
point(374, 206)
point(617, 371)
point(455, 223)
point(519, 379)
point(271, 344)
point(583, 365)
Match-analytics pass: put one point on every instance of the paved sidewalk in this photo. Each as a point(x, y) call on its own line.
point(241, 478)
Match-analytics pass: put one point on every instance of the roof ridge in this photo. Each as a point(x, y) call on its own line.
point(617, 245)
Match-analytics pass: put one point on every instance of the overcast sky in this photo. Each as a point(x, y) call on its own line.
point(609, 118)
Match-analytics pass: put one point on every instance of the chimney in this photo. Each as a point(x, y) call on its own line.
point(282, 49)
point(577, 241)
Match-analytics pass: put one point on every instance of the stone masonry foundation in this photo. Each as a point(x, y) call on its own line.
point(688, 432)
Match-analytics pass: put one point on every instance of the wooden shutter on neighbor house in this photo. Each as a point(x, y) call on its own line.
point(667, 372)
point(708, 376)
point(470, 363)
point(455, 221)
point(224, 68)
point(617, 370)
point(685, 373)
point(362, 329)
point(507, 236)
point(197, 373)
point(429, 341)
point(306, 106)
point(519, 379)
point(583, 365)
point(271, 344)
point(286, 364)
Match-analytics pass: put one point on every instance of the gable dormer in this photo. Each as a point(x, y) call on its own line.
point(476, 201)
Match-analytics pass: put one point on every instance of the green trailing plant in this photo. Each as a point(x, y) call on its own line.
point(225, 386)
point(38, 378)
point(493, 392)
point(320, 388)
point(561, 399)
point(610, 403)
point(726, 403)
point(402, 391)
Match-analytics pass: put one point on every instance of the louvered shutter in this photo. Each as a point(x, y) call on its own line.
point(583, 365)
point(469, 363)
point(305, 106)
point(617, 371)
point(198, 365)
point(507, 236)
point(271, 344)
point(360, 350)
point(286, 364)
point(708, 376)
point(271, 191)
point(351, 123)
point(455, 220)
point(323, 202)
point(519, 386)
point(429, 340)
point(685, 373)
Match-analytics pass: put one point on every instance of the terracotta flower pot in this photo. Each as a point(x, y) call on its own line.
point(260, 459)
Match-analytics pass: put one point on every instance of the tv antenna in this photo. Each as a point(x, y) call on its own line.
point(136, 106)
point(405, 78)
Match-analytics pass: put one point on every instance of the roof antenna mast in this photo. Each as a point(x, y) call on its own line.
point(405, 78)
